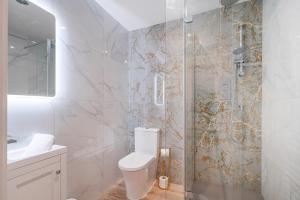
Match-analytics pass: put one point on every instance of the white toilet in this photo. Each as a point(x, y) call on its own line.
point(139, 167)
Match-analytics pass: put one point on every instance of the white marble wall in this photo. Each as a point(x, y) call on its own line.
point(89, 111)
point(281, 100)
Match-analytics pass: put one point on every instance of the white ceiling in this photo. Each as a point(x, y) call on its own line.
point(136, 14)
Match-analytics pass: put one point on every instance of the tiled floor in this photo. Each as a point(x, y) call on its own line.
point(118, 192)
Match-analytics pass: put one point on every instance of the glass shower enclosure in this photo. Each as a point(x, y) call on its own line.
point(223, 79)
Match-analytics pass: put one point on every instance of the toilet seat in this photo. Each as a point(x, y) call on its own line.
point(135, 161)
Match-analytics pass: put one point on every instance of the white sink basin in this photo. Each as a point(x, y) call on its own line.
point(15, 155)
point(16, 159)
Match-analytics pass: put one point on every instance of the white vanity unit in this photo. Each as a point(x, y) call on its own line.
point(40, 177)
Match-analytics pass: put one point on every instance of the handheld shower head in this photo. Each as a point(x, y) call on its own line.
point(239, 51)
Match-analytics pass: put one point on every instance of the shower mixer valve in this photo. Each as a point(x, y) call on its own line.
point(240, 66)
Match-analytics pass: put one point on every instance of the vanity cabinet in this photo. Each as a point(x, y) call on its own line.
point(41, 180)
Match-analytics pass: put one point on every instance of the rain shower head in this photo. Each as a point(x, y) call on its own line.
point(228, 3)
point(23, 2)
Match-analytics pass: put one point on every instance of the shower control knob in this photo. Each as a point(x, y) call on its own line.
point(58, 172)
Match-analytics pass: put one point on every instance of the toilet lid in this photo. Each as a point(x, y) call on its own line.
point(135, 161)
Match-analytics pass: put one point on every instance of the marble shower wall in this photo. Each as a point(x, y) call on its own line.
point(175, 117)
point(159, 50)
point(228, 107)
point(89, 113)
point(189, 107)
point(281, 100)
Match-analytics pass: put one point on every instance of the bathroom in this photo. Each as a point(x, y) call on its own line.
point(149, 99)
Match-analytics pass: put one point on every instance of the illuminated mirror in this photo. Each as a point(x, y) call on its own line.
point(31, 50)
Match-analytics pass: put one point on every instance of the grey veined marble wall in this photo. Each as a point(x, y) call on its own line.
point(159, 50)
point(228, 107)
point(281, 100)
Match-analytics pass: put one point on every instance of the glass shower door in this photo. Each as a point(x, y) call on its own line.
point(223, 48)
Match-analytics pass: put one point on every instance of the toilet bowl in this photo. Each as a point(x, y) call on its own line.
point(139, 168)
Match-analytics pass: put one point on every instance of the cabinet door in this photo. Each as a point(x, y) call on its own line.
point(41, 184)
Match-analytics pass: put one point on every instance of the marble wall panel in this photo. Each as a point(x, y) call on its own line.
point(159, 50)
point(146, 60)
point(190, 108)
point(89, 113)
point(228, 107)
point(280, 102)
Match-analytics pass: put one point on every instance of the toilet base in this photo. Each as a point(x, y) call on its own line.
point(145, 195)
point(139, 183)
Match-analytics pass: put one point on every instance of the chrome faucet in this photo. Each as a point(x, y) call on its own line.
point(10, 139)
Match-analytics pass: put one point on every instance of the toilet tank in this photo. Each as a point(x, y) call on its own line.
point(147, 140)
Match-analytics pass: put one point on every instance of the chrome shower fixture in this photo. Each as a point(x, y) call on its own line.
point(240, 52)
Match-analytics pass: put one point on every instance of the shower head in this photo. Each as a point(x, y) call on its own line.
point(228, 3)
point(239, 51)
point(23, 2)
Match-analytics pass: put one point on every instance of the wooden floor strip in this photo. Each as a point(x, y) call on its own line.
point(118, 192)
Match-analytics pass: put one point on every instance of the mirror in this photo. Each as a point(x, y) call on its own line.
point(31, 50)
